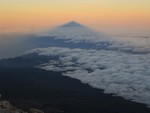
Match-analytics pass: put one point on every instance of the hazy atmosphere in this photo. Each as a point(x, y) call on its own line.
point(18, 15)
point(75, 56)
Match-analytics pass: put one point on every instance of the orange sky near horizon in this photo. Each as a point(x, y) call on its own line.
point(20, 14)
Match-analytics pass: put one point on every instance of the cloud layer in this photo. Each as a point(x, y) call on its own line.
point(101, 41)
point(120, 73)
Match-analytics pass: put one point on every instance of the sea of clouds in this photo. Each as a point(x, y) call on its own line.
point(121, 66)
point(120, 73)
point(133, 44)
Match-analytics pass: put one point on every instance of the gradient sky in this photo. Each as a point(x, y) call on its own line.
point(33, 14)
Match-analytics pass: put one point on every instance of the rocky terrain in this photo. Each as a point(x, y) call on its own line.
point(7, 107)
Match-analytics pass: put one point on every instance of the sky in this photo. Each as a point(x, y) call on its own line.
point(17, 15)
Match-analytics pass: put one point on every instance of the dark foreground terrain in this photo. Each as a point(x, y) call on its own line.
point(53, 93)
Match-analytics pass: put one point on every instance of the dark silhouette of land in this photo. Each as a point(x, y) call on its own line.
point(53, 93)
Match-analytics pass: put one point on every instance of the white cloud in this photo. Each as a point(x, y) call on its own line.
point(124, 74)
point(115, 68)
point(128, 44)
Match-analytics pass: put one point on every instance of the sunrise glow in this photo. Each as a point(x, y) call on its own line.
point(35, 14)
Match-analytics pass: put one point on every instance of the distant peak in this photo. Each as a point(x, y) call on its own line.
point(72, 24)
